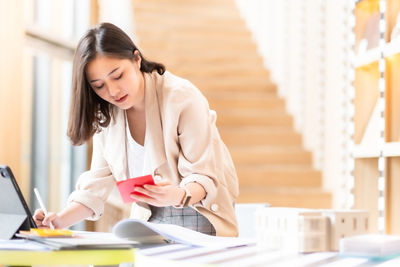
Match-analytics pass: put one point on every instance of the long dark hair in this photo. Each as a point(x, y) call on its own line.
point(88, 112)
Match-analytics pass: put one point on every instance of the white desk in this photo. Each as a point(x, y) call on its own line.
point(180, 255)
point(177, 255)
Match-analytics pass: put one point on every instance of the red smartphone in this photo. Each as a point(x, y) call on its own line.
point(126, 187)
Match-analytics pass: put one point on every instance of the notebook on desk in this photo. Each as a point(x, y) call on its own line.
point(14, 212)
point(83, 240)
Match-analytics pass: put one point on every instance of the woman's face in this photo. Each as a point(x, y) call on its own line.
point(117, 81)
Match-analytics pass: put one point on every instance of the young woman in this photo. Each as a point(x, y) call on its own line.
point(144, 120)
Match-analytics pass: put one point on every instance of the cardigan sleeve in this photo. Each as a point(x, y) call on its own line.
point(94, 186)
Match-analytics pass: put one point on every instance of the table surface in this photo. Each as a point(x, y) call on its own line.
point(182, 255)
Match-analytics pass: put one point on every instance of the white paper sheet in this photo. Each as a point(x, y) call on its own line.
point(128, 228)
point(21, 244)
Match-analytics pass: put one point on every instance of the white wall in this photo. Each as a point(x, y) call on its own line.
point(305, 45)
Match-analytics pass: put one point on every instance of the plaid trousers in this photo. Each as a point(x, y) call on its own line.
point(186, 217)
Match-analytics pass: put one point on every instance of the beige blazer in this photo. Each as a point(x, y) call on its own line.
point(182, 144)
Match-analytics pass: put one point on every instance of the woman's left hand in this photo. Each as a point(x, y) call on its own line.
point(160, 195)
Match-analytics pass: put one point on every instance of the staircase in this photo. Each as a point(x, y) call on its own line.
point(206, 42)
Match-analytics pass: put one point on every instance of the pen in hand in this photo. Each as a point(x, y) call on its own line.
point(42, 206)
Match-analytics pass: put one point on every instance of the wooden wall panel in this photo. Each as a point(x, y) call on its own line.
point(366, 96)
point(393, 196)
point(363, 12)
point(26, 122)
point(366, 188)
point(392, 11)
point(11, 39)
point(392, 112)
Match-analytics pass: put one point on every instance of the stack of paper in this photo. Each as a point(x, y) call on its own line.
point(370, 245)
point(21, 244)
point(83, 240)
point(130, 233)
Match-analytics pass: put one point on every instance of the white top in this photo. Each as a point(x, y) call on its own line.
point(135, 155)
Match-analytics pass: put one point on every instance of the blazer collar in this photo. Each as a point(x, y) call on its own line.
point(154, 139)
point(116, 144)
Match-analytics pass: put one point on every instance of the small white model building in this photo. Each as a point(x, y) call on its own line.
point(307, 230)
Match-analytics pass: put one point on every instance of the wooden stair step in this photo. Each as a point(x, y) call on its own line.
point(247, 110)
point(188, 26)
point(208, 58)
point(173, 31)
point(236, 87)
point(259, 73)
point(186, 12)
point(162, 5)
point(188, 40)
point(250, 103)
point(152, 18)
point(211, 60)
point(257, 80)
point(171, 27)
point(226, 85)
point(278, 175)
point(182, 28)
point(175, 28)
point(244, 99)
point(232, 81)
point(217, 72)
point(243, 94)
point(186, 2)
point(270, 155)
point(286, 197)
point(198, 46)
point(190, 10)
point(204, 68)
point(219, 69)
point(169, 47)
point(254, 117)
point(261, 135)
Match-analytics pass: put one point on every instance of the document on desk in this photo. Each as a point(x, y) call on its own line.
point(22, 244)
point(147, 232)
point(370, 245)
point(85, 240)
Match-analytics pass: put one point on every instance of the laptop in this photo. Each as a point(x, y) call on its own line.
point(14, 212)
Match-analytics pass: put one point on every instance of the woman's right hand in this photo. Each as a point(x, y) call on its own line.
point(43, 221)
point(72, 214)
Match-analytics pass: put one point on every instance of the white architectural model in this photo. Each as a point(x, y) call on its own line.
point(307, 230)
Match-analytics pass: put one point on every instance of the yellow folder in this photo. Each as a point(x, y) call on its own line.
point(67, 257)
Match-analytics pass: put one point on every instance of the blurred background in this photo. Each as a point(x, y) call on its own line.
point(306, 93)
